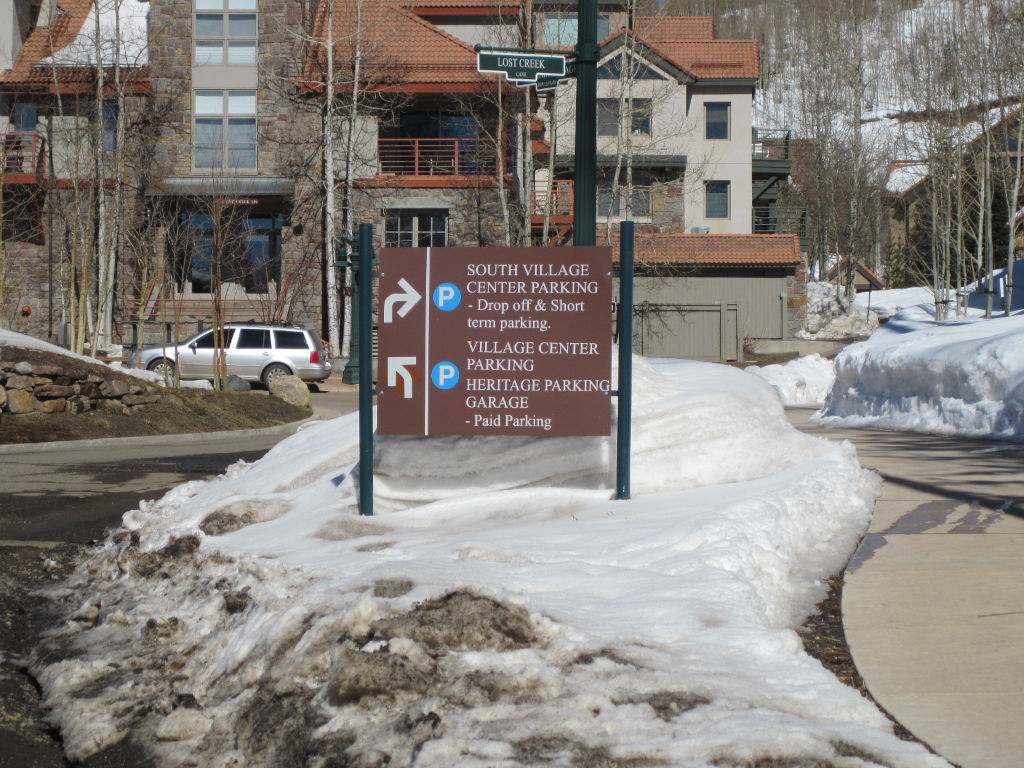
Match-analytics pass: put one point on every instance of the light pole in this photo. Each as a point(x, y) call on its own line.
point(587, 50)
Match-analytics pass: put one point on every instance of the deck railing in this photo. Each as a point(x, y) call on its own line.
point(556, 197)
point(21, 154)
point(772, 144)
point(436, 157)
point(784, 220)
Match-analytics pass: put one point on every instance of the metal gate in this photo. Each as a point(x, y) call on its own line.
point(696, 331)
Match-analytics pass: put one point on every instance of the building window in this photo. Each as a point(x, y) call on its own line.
point(242, 249)
point(613, 202)
point(716, 120)
point(225, 129)
point(26, 117)
point(608, 117)
point(109, 125)
point(225, 32)
point(716, 199)
point(416, 229)
point(561, 29)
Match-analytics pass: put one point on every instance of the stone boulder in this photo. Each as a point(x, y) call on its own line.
point(20, 401)
point(115, 388)
point(20, 381)
point(291, 389)
point(56, 405)
point(50, 391)
point(237, 384)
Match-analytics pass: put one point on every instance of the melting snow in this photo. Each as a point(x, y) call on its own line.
point(499, 610)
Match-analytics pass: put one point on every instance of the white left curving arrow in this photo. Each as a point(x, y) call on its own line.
point(409, 298)
point(396, 368)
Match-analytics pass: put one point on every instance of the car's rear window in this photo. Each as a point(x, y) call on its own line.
point(253, 338)
point(290, 340)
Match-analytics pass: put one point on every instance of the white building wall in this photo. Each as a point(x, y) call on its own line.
point(678, 132)
point(721, 160)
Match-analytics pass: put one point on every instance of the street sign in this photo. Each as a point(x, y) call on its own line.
point(521, 66)
point(494, 341)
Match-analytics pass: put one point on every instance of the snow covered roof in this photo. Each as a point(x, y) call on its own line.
point(904, 175)
point(69, 42)
point(122, 32)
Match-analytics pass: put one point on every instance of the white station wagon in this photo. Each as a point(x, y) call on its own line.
point(253, 352)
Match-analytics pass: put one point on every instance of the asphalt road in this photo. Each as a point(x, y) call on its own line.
point(56, 500)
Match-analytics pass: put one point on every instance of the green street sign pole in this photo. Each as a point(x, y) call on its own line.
point(624, 438)
point(365, 369)
point(587, 50)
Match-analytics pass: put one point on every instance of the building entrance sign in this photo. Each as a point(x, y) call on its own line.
point(494, 341)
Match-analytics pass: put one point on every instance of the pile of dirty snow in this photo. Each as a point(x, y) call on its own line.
point(963, 376)
point(800, 382)
point(830, 315)
point(500, 609)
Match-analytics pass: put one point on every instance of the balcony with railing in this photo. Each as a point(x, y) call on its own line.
point(556, 200)
point(436, 157)
point(772, 145)
point(21, 158)
point(781, 219)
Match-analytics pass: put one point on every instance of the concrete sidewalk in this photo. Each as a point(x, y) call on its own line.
point(933, 602)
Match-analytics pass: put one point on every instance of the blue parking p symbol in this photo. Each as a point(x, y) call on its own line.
point(447, 297)
point(445, 375)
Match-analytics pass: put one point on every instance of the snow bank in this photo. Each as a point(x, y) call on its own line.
point(955, 377)
point(887, 303)
point(830, 316)
point(500, 610)
point(803, 381)
point(19, 340)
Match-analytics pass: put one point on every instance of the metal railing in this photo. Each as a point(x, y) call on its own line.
point(772, 144)
point(21, 153)
point(556, 197)
point(436, 157)
point(782, 221)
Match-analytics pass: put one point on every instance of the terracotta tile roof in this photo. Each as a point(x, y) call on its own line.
point(489, 5)
point(31, 69)
point(715, 250)
point(64, 30)
point(686, 43)
point(451, 3)
point(656, 29)
point(400, 49)
point(725, 59)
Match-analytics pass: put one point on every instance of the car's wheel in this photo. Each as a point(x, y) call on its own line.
point(163, 366)
point(274, 371)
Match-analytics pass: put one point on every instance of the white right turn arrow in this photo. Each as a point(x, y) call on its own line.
point(396, 368)
point(408, 299)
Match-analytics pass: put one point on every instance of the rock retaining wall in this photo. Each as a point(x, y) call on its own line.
point(26, 388)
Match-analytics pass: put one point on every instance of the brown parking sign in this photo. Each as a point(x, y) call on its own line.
point(494, 341)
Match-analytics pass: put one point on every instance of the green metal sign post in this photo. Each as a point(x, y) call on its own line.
point(358, 256)
point(365, 293)
point(623, 443)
